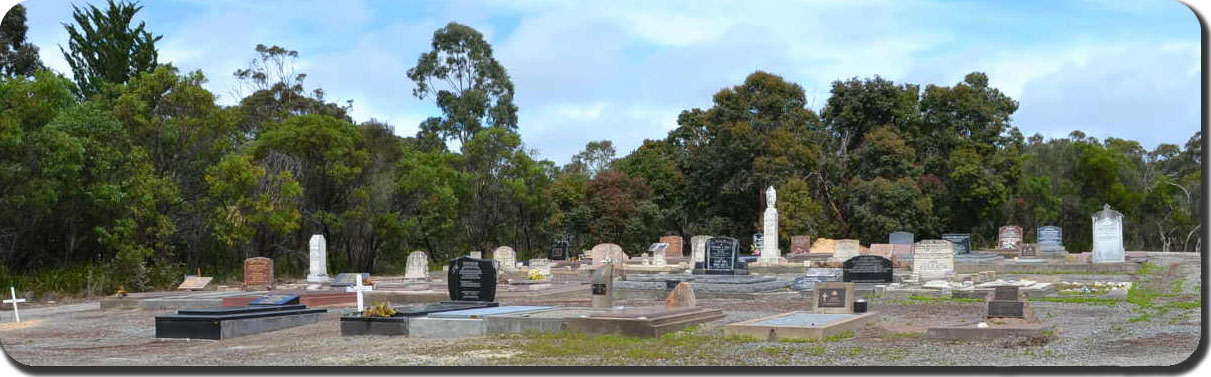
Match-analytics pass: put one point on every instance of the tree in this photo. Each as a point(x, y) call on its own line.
point(597, 157)
point(472, 89)
point(105, 49)
point(17, 56)
point(277, 92)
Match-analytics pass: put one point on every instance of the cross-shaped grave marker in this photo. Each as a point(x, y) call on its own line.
point(14, 301)
point(359, 288)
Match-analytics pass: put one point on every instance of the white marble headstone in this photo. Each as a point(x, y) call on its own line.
point(1108, 236)
point(418, 265)
point(506, 256)
point(698, 248)
point(933, 259)
point(318, 268)
point(769, 247)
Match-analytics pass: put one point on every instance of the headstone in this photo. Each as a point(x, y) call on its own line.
point(881, 249)
point(867, 269)
point(542, 265)
point(359, 289)
point(318, 268)
point(769, 250)
point(833, 298)
point(933, 259)
point(901, 238)
point(418, 265)
point(349, 280)
point(1027, 250)
point(471, 279)
point(276, 300)
point(506, 256)
point(1051, 239)
point(681, 297)
point(559, 251)
point(476, 254)
point(14, 301)
point(1108, 236)
point(1006, 302)
point(659, 251)
point(195, 283)
point(258, 274)
point(698, 246)
point(602, 286)
point(845, 249)
point(603, 251)
point(962, 242)
point(675, 246)
point(816, 276)
point(1009, 237)
point(800, 245)
point(901, 252)
point(758, 243)
point(721, 255)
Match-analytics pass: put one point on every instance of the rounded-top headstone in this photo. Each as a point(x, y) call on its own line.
point(418, 265)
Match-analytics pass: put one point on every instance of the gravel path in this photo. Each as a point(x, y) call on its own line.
point(1086, 334)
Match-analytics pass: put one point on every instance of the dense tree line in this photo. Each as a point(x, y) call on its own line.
point(129, 174)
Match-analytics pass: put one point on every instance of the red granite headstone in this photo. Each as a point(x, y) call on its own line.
point(258, 274)
point(674, 249)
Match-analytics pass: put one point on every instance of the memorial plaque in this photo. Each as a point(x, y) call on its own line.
point(867, 269)
point(1006, 309)
point(675, 247)
point(933, 259)
point(1009, 237)
point(962, 242)
point(1108, 236)
point(901, 238)
point(471, 279)
point(276, 300)
point(599, 289)
point(193, 283)
point(721, 255)
point(349, 280)
point(1027, 250)
point(559, 251)
point(258, 274)
point(801, 244)
point(833, 298)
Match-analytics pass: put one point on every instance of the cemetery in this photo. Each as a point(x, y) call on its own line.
point(588, 185)
point(840, 294)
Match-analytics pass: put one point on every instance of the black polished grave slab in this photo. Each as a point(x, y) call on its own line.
point(229, 322)
point(472, 279)
point(867, 269)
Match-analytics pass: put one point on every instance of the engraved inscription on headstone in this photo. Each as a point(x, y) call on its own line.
point(418, 265)
point(933, 259)
point(1006, 309)
point(1108, 236)
point(1051, 239)
point(507, 258)
point(868, 269)
point(1009, 237)
point(962, 242)
point(721, 255)
point(318, 268)
point(833, 298)
point(559, 251)
point(258, 274)
point(471, 279)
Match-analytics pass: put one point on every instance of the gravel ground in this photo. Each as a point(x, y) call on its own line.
point(1086, 334)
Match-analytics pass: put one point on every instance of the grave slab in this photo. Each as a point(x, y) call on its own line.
point(642, 322)
point(800, 325)
point(225, 323)
point(540, 321)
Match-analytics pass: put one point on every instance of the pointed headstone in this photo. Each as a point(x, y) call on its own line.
point(318, 268)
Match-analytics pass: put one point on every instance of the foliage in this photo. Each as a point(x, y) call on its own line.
point(379, 310)
point(18, 57)
point(103, 48)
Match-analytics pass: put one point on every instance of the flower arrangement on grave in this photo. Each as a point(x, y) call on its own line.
point(379, 310)
point(535, 274)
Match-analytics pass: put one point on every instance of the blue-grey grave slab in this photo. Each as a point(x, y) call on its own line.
point(1051, 239)
point(349, 279)
point(283, 299)
point(484, 312)
point(901, 238)
point(962, 242)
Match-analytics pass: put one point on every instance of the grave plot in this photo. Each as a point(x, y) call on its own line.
point(309, 298)
point(1007, 316)
point(800, 325)
point(705, 286)
point(190, 301)
point(641, 322)
point(472, 285)
point(541, 321)
point(461, 323)
point(267, 314)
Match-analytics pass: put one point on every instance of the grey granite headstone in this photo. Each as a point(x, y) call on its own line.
point(901, 238)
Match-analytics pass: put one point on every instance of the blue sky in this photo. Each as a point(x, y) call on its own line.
point(623, 70)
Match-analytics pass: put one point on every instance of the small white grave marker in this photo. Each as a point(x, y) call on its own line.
point(359, 288)
point(14, 301)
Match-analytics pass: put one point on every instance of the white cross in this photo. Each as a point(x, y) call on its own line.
point(359, 288)
point(14, 301)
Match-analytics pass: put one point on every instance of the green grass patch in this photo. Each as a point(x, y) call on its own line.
point(1147, 269)
point(1141, 318)
point(1186, 304)
point(621, 348)
point(1079, 300)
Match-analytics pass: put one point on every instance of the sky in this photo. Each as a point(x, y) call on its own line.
point(624, 70)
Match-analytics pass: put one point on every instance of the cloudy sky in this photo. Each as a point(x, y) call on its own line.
point(621, 70)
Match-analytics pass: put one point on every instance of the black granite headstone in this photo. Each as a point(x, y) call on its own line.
point(472, 279)
point(559, 251)
point(1006, 293)
point(831, 297)
point(962, 242)
point(1006, 309)
point(276, 300)
point(721, 255)
point(867, 269)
